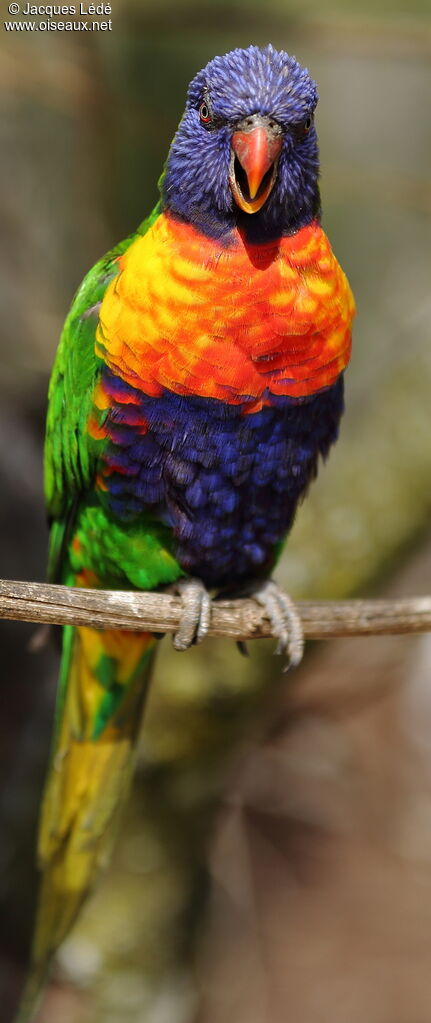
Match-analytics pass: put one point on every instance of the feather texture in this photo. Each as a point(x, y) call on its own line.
point(198, 380)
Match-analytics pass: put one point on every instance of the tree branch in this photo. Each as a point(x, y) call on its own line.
point(238, 619)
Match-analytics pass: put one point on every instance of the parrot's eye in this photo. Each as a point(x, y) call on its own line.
point(301, 128)
point(205, 113)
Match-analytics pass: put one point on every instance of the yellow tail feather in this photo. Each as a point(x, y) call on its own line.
point(105, 678)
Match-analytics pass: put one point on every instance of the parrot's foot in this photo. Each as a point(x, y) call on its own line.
point(195, 619)
point(285, 621)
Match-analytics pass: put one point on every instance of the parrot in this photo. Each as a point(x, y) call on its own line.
point(197, 384)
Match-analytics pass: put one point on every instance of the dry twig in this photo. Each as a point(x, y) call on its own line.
point(238, 619)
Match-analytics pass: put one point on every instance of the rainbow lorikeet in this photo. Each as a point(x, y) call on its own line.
point(199, 378)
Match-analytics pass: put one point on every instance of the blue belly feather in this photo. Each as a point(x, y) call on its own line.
point(226, 482)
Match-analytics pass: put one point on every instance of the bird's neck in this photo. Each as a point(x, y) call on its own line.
point(273, 221)
point(277, 222)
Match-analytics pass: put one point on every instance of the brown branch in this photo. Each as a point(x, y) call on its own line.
point(238, 619)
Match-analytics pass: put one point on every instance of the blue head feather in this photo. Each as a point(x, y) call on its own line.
point(195, 186)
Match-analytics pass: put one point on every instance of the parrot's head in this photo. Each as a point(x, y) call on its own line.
point(245, 152)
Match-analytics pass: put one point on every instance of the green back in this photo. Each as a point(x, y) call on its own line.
point(70, 452)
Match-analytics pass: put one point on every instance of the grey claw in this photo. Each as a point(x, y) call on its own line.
point(40, 638)
point(285, 621)
point(196, 616)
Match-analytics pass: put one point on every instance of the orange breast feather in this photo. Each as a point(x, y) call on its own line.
point(231, 321)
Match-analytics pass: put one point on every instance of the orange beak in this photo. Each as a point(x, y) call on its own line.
point(256, 151)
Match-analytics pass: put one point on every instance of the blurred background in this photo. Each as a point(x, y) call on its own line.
point(319, 907)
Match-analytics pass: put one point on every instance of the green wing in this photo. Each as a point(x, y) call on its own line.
point(70, 452)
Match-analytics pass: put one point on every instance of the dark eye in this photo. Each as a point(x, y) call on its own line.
point(307, 125)
point(205, 113)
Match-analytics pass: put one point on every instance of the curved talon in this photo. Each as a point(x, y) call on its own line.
point(285, 621)
point(40, 638)
point(196, 615)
